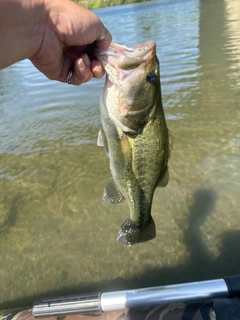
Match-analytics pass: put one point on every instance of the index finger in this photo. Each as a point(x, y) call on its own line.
point(103, 41)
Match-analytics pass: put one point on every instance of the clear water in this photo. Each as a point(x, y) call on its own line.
point(57, 236)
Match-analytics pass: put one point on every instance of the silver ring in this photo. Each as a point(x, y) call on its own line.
point(69, 77)
point(104, 34)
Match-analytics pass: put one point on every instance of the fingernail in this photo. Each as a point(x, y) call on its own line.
point(98, 71)
point(86, 60)
point(81, 64)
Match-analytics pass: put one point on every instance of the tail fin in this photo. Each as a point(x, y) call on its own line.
point(131, 233)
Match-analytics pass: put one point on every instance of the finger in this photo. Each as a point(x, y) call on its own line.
point(82, 70)
point(103, 41)
point(87, 28)
point(97, 69)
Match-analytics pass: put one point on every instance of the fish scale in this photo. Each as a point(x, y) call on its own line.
point(135, 134)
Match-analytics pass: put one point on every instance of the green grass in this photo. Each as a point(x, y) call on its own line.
point(95, 4)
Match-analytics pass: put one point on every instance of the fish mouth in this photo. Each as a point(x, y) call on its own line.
point(122, 57)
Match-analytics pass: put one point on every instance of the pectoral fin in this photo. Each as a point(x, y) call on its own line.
point(164, 179)
point(111, 194)
point(102, 140)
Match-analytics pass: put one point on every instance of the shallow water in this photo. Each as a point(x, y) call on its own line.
point(57, 236)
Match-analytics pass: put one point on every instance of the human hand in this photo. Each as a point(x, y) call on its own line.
point(69, 32)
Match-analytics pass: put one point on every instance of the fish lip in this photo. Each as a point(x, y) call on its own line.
point(135, 51)
point(115, 51)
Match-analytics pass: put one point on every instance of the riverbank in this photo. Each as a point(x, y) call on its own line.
point(95, 4)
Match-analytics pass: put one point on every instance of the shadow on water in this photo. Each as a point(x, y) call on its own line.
point(11, 214)
point(199, 264)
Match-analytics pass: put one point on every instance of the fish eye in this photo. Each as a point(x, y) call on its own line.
point(151, 77)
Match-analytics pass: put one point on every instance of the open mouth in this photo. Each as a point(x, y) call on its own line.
point(116, 50)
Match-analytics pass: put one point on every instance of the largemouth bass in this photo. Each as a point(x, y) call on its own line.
point(134, 134)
